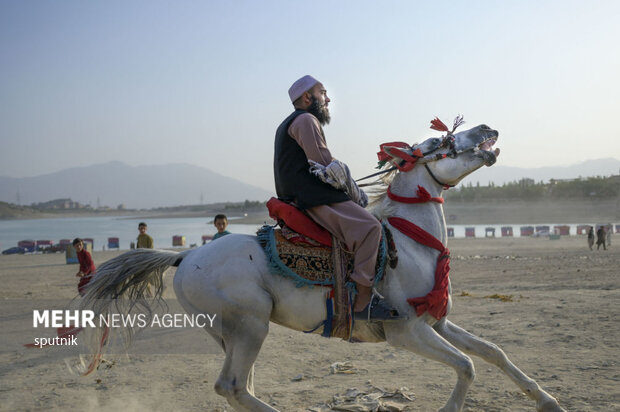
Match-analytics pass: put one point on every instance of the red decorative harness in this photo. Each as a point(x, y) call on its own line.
point(436, 301)
point(393, 150)
point(423, 197)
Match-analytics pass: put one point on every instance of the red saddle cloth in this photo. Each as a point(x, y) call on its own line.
point(298, 221)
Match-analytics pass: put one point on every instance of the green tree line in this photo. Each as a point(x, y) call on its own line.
point(528, 189)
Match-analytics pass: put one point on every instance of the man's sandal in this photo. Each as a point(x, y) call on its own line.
point(378, 310)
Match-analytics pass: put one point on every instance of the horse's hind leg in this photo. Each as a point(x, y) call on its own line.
point(235, 382)
point(491, 353)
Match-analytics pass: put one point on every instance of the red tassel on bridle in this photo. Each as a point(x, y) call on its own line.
point(440, 126)
point(392, 151)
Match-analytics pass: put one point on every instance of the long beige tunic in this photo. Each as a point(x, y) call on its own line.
point(347, 221)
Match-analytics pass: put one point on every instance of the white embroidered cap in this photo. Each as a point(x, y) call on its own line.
point(301, 86)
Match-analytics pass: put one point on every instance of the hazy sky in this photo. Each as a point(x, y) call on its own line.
point(205, 82)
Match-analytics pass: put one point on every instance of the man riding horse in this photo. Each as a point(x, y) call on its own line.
point(233, 276)
point(300, 139)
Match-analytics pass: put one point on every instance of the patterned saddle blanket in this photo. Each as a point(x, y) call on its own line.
point(310, 263)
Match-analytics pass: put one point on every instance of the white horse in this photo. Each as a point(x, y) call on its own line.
point(231, 277)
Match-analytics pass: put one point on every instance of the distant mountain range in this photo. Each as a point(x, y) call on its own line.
point(505, 174)
point(136, 187)
point(146, 187)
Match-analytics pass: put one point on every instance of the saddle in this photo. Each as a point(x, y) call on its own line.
point(298, 221)
point(306, 252)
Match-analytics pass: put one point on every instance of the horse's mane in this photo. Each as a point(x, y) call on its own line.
point(378, 194)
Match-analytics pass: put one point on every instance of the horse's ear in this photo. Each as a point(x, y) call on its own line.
point(398, 154)
point(392, 151)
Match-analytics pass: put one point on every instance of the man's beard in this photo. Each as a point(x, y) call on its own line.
point(320, 111)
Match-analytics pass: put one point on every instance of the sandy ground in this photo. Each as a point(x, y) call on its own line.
point(558, 323)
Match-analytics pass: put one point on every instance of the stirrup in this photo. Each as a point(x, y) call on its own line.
point(378, 310)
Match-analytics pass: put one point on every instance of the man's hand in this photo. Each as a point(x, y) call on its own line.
point(337, 174)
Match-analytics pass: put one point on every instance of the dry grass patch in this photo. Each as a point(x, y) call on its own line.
point(503, 298)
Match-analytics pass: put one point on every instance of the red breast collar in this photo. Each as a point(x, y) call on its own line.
point(416, 233)
point(436, 301)
point(423, 197)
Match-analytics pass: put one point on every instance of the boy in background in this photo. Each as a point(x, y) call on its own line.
point(144, 240)
point(221, 223)
point(87, 266)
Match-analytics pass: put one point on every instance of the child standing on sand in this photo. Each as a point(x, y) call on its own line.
point(87, 266)
point(144, 240)
point(221, 223)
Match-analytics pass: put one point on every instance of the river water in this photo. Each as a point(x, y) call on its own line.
point(125, 228)
point(161, 229)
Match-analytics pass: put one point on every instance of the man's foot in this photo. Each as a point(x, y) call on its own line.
point(362, 299)
point(378, 310)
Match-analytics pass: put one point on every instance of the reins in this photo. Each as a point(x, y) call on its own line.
point(373, 175)
point(445, 185)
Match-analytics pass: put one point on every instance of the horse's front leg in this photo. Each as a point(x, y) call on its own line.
point(491, 353)
point(419, 337)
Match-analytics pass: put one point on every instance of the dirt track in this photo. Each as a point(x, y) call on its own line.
point(557, 321)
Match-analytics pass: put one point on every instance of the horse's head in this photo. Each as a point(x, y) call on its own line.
point(458, 155)
point(448, 159)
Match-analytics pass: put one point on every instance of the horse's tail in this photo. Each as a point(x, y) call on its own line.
point(119, 285)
